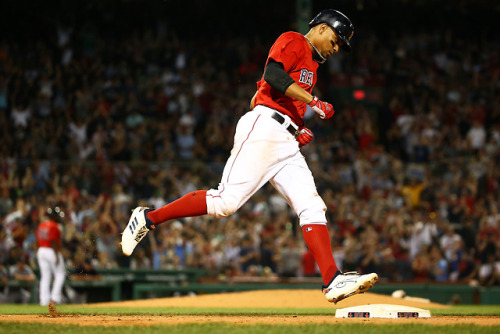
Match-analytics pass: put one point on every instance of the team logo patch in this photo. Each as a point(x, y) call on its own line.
point(309, 229)
point(306, 77)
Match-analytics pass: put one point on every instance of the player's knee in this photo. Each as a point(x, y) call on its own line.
point(226, 208)
point(226, 211)
point(222, 206)
point(315, 213)
point(59, 275)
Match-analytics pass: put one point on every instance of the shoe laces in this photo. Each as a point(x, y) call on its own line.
point(141, 234)
point(325, 288)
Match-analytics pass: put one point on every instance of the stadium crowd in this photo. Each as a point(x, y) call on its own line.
point(97, 123)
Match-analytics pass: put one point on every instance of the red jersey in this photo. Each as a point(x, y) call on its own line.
point(292, 50)
point(46, 232)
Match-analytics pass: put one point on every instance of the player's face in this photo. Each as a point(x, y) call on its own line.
point(330, 42)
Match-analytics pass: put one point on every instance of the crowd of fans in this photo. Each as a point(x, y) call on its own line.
point(98, 123)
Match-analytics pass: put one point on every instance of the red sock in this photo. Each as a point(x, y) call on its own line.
point(318, 241)
point(190, 205)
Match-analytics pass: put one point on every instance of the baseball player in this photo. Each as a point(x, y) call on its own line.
point(50, 259)
point(267, 146)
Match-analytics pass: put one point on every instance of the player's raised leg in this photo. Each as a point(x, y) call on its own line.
point(144, 219)
point(240, 180)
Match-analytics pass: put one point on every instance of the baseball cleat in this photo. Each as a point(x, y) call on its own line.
point(137, 228)
point(348, 284)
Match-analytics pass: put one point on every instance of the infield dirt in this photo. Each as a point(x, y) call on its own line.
point(269, 299)
point(291, 299)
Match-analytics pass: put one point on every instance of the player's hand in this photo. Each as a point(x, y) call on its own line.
point(323, 109)
point(304, 136)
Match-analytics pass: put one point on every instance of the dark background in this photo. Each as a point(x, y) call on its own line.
point(28, 20)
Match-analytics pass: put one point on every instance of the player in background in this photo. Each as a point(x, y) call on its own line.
point(50, 259)
point(267, 149)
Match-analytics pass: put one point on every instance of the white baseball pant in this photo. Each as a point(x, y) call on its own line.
point(265, 151)
point(48, 269)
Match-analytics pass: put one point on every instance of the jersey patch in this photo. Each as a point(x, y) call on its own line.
point(306, 77)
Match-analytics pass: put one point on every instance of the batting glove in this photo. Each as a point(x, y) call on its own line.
point(323, 109)
point(304, 136)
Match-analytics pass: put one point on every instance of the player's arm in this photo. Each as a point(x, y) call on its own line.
point(276, 76)
point(298, 93)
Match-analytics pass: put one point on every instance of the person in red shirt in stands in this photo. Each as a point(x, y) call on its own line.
point(308, 264)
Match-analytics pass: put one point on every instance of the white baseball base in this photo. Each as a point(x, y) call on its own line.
point(387, 311)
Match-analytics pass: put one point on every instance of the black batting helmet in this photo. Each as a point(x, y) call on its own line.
point(338, 22)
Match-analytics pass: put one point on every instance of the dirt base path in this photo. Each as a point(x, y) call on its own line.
point(292, 299)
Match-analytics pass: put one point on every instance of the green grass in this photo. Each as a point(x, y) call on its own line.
point(212, 328)
point(462, 310)
point(469, 310)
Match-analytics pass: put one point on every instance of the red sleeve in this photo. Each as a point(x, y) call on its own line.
point(286, 50)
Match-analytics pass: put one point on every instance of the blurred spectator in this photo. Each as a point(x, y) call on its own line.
point(4, 278)
point(485, 272)
point(14, 256)
point(268, 257)
point(438, 264)
point(412, 191)
point(24, 275)
point(420, 267)
point(20, 115)
point(248, 256)
point(290, 258)
point(449, 241)
point(140, 260)
point(495, 276)
point(388, 267)
point(465, 269)
point(476, 136)
point(84, 270)
point(309, 266)
point(4, 245)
